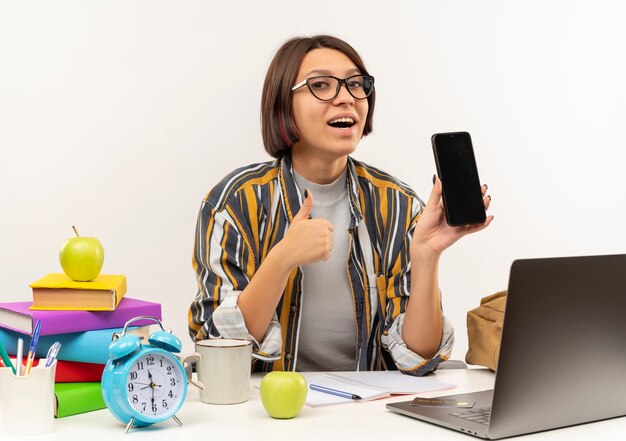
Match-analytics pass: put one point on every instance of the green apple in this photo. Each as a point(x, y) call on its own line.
point(82, 258)
point(283, 394)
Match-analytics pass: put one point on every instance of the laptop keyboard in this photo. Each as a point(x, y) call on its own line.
point(476, 415)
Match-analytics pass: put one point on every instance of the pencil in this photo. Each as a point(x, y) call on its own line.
point(18, 357)
point(6, 359)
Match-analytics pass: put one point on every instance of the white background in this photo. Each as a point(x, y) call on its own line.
point(118, 117)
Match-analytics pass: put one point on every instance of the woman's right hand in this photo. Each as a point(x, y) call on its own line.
point(307, 240)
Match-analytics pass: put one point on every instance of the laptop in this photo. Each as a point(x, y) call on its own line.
point(563, 352)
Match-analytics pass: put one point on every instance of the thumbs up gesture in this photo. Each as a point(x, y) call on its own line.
point(307, 240)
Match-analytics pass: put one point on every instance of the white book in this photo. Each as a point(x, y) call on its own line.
point(368, 385)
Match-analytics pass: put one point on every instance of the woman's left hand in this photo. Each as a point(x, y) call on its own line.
point(432, 234)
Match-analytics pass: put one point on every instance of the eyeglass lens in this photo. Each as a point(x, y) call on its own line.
point(327, 88)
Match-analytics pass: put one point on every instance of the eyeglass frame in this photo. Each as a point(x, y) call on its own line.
point(340, 82)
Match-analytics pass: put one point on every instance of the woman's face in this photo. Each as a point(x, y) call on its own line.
point(313, 117)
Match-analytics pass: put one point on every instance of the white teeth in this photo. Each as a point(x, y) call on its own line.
point(340, 120)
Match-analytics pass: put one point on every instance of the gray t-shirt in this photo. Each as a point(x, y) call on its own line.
point(328, 331)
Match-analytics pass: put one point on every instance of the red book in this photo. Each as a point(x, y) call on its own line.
point(78, 372)
point(73, 371)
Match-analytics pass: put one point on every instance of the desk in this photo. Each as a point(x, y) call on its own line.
point(351, 421)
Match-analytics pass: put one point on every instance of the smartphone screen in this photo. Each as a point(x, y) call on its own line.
point(456, 167)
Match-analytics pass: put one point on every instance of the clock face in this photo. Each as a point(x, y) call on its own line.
point(155, 385)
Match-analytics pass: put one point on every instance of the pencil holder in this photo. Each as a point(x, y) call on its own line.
point(27, 402)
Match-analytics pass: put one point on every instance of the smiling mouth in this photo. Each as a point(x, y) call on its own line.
point(342, 123)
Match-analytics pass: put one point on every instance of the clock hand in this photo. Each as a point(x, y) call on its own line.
point(150, 385)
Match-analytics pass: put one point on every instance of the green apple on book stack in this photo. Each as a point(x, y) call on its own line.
point(82, 257)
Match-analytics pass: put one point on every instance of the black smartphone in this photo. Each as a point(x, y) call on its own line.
point(456, 167)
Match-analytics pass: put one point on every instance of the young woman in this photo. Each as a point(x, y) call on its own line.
point(324, 262)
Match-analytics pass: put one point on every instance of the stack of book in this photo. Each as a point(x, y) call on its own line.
point(82, 316)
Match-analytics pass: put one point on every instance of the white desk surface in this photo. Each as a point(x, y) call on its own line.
point(249, 421)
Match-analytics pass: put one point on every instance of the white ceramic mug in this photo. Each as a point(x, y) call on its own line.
point(27, 402)
point(223, 367)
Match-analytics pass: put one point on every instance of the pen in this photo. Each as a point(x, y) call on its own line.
point(5, 358)
point(32, 348)
point(18, 357)
point(339, 393)
point(52, 353)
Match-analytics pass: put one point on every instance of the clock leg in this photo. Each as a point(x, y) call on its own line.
point(129, 425)
point(175, 418)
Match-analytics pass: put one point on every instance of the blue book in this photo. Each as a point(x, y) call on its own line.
point(87, 347)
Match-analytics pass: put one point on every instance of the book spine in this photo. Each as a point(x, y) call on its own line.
point(65, 322)
point(87, 347)
point(75, 398)
point(78, 372)
point(73, 371)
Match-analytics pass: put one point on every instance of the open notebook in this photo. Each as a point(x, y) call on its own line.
point(369, 385)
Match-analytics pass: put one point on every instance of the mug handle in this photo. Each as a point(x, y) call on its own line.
point(191, 359)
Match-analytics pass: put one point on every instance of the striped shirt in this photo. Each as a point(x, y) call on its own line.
point(249, 212)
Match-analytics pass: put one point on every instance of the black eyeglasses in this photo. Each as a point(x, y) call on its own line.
point(326, 87)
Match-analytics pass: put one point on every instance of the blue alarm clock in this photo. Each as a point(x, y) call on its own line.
point(143, 384)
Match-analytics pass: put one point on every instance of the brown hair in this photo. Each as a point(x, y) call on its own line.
point(277, 124)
